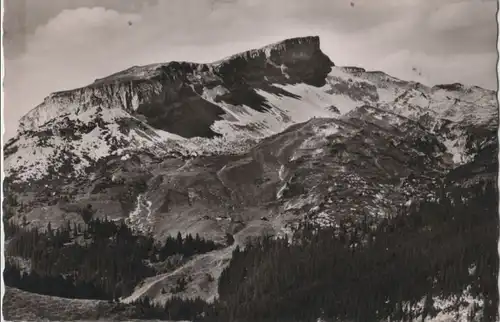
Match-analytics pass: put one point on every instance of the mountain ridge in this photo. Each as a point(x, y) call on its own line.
point(295, 49)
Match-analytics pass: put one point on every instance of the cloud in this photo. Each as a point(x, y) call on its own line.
point(81, 29)
point(448, 40)
point(462, 14)
point(479, 71)
point(22, 17)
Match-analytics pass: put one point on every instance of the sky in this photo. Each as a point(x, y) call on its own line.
point(55, 45)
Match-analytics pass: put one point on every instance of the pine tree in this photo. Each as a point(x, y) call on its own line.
point(50, 232)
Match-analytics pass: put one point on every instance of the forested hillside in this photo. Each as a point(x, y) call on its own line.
point(102, 260)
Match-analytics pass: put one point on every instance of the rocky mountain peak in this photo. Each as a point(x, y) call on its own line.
point(159, 88)
point(286, 51)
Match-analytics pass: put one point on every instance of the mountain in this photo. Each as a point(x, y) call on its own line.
point(159, 105)
point(187, 108)
point(255, 144)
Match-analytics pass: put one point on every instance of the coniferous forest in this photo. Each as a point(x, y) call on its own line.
point(102, 261)
point(355, 271)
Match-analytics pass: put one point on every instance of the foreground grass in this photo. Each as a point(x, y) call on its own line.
point(24, 306)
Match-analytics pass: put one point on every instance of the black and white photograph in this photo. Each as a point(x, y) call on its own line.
point(250, 160)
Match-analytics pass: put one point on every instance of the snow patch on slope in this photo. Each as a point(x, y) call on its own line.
point(313, 102)
point(31, 160)
point(301, 202)
point(456, 147)
point(316, 142)
point(82, 139)
point(244, 122)
point(455, 308)
point(140, 218)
